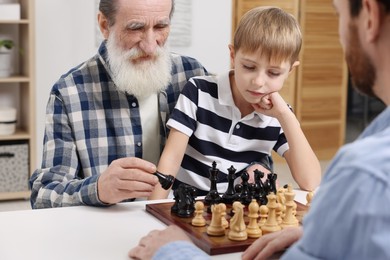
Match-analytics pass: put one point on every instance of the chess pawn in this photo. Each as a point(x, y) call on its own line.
point(253, 229)
point(289, 219)
point(309, 197)
point(263, 215)
point(237, 231)
point(215, 228)
point(279, 213)
point(271, 225)
point(225, 223)
point(199, 220)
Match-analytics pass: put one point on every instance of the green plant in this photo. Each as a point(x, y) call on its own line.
point(8, 44)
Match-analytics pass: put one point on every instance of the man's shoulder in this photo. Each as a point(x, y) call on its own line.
point(82, 73)
point(186, 62)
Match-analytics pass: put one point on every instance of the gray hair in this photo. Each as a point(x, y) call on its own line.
point(109, 9)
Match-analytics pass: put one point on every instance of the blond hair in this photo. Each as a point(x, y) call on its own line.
point(270, 30)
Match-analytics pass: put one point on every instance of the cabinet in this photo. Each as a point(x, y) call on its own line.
point(317, 89)
point(18, 90)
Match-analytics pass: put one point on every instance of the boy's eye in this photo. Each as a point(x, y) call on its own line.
point(248, 67)
point(274, 73)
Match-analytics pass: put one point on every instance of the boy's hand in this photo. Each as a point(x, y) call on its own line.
point(272, 105)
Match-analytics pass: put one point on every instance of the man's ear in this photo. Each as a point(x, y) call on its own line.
point(295, 64)
point(371, 19)
point(103, 25)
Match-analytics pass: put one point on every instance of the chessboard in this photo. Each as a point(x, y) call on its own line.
point(212, 245)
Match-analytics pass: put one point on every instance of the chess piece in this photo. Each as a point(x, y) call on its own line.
point(215, 228)
point(245, 196)
point(271, 225)
point(289, 219)
point(253, 229)
point(184, 197)
point(199, 220)
point(263, 215)
point(212, 196)
point(237, 231)
point(225, 223)
point(230, 194)
point(270, 183)
point(166, 181)
point(309, 197)
point(260, 193)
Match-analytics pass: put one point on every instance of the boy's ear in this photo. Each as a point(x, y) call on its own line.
point(232, 55)
point(295, 64)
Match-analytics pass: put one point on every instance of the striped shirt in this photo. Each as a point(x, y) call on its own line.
point(207, 114)
point(89, 123)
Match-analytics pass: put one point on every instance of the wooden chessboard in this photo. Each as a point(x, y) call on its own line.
point(210, 244)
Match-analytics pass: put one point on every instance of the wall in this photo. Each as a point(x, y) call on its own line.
point(65, 37)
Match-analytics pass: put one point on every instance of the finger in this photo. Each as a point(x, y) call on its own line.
point(136, 252)
point(258, 246)
point(138, 176)
point(137, 163)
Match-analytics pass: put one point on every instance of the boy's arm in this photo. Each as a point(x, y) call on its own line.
point(303, 163)
point(170, 160)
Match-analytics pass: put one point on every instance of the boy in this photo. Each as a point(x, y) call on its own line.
point(239, 117)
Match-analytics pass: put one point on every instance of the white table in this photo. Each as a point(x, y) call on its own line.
point(80, 232)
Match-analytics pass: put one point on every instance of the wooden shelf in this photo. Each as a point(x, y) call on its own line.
point(22, 31)
point(15, 195)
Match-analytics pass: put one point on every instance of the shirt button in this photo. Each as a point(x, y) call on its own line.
point(133, 104)
point(237, 126)
point(139, 144)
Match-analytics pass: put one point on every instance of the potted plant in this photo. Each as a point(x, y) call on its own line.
point(6, 46)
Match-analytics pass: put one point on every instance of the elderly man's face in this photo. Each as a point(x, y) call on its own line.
point(139, 61)
point(142, 24)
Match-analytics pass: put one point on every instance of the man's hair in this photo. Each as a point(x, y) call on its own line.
point(270, 30)
point(109, 9)
point(355, 6)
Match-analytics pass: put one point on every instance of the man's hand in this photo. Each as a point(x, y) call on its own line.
point(267, 245)
point(126, 178)
point(149, 244)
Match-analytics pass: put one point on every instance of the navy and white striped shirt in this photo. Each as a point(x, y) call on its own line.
point(89, 123)
point(207, 114)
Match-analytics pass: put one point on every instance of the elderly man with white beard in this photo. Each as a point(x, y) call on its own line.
point(105, 118)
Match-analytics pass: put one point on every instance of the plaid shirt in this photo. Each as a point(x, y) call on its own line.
point(89, 123)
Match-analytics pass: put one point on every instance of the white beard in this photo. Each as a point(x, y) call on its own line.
point(143, 78)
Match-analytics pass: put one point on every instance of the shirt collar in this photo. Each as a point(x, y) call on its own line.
point(225, 96)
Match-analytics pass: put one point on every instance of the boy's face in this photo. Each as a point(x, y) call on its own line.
point(255, 76)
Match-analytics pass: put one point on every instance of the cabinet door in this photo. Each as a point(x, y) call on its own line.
point(240, 7)
point(322, 79)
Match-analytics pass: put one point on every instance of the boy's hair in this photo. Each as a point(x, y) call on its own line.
point(270, 30)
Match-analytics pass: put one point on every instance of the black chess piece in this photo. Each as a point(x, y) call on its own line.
point(245, 196)
point(271, 182)
point(166, 181)
point(260, 193)
point(212, 196)
point(184, 197)
point(230, 194)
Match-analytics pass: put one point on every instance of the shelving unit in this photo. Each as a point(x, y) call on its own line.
point(19, 89)
point(317, 89)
